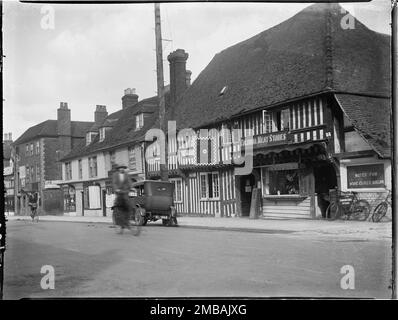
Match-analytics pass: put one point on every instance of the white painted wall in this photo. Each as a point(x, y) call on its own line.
point(354, 142)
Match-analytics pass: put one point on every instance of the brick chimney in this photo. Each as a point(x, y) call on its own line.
point(7, 137)
point(130, 98)
point(100, 114)
point(178, 74)
point(64, 129)
point(64, 126)
point(188, 78)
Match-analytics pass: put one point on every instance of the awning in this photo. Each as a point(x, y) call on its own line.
point(289, 147)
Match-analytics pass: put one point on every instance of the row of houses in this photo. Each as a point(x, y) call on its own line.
point(283, 117)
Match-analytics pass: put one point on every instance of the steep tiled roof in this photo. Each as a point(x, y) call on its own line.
point(306, 54)
point(48, 128)
point(123, 130)
point(371, 118)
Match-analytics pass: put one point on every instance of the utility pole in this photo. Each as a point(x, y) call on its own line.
point(160, 84)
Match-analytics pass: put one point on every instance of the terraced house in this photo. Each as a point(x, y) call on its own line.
point(316, 96)
point(37, 154)
point(114, 139)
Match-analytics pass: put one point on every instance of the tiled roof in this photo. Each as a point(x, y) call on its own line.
point(48, 128)
point(371, 118)
point(123, 130)
point(307, 54)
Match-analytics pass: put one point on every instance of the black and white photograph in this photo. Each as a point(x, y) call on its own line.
point(182, 150)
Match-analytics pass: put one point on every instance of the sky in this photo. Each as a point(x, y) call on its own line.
point(94, 52)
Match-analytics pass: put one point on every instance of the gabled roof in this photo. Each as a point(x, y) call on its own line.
point(307, 54)
point(48, 128)
point(371, 118)
point(123, 130)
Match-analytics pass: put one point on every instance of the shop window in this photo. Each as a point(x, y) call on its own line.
point(86, 198)
point(69, 199)
point(94, 197)
point(283, 182)
point(209, 186)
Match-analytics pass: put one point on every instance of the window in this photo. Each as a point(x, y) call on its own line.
point(132, 159)
point(31, 149)
point(27, 150)
point(32, 174)
point(38, 173)
point(37, 147)
point(90, 137)
point(102, 134)
point(92, 167)
point(112, 158)
point(209, 186)
point(86, 199)
point(177, 190)
point(283, 182)
point(282, 120)
point(68, 171)
point(267, 121)
point(139, 121)
point(27, 174)
point(80, 165)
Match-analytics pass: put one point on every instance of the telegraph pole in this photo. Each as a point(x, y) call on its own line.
point(160, 84)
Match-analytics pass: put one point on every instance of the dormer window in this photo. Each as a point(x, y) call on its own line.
point(102, 134)
point(90, 137)
point(139, 121)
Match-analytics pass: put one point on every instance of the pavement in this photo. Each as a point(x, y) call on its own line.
point(302, 227)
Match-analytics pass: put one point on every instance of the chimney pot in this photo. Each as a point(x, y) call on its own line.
point(130, 98)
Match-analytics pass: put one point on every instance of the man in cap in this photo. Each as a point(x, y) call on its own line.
point(121, 185)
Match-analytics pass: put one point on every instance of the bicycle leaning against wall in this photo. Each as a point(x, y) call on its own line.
point(347, 205)
point(381, 209)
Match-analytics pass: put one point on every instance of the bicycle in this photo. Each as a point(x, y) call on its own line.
point(347, 205)
point(381, 209)
point(34, 214)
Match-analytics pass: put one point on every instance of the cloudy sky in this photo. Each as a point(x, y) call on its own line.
point(96, 51)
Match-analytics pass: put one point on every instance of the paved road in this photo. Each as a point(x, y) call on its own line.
point(92, 260)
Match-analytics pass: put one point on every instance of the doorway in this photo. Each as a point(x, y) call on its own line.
point(325, 179)
point(104, 202)
point(246, 187)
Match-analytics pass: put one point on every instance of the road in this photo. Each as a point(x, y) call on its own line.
point(92, 260)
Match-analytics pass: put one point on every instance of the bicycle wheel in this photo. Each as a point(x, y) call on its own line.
point(361, 210)
point(379, 212)
point(333, 211)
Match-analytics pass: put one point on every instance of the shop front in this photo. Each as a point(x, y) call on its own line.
point(294, 180)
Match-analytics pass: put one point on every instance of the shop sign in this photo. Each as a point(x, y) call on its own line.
point(275, 138)
point(365, 176)
point(52, 184)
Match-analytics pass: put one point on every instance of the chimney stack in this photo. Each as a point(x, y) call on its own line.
point(130, 98)
point(7, 137)
point(64, 127)
point(188, 78)
point(100, 114)
point(178, 74)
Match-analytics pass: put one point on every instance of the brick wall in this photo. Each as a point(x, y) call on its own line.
point(52, 168)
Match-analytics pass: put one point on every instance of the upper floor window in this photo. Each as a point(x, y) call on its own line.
point(112, 158)
point(267, 121)
point(27, 173)
point(132, 159)
point(27, 150)
point(90, 137)
point(38, 173)
point(80, 165)
point(37, 147)
point(92, 167)
point(139, 121)
point(68, 171)
point(276, 121)
point(31, 149)
point(102, 134)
